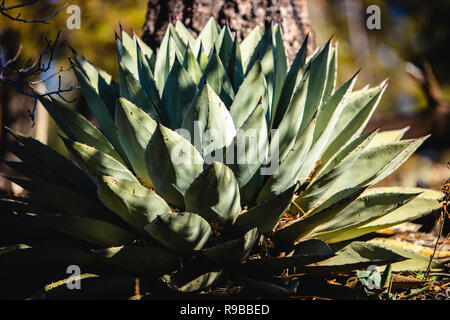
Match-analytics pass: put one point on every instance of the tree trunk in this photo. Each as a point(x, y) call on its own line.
point(241, 15)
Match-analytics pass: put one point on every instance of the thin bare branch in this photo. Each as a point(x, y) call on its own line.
point(5, 11)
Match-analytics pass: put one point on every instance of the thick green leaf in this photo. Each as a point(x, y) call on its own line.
point(173, 163)
point(248, 46)
point(295, 72)
point(385, 137)
point(134, 203)
point(98, 107)
point(370, 163)
point(208, 122)
point(103, 83)
point(191, 65)
point(358, 109)
point(248, 95)
point(424, 204)
point(76, 127)
point(178, 93)
point(62, 198)
point(207, 36)
point(214, 194)
point(249, 148)
point(302, 227)
point(50, 163)
point(146, 79)
point(131, 89)
point(216, 76)
point(316, 85)
point(287, 172)
point(327, 117)
point(95, 162)
point(233, 251)
point(184, 34)
point(135, 128)
point(285, 135)
point(355, 256)
point(182, 232)
point(281, 67)
point(266, 215)
point(417, 261)
point(97, 232)
point(317, 251)
point(372, 204)
point(142, 260)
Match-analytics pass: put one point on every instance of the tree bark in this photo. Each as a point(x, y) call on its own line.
point(241, 15)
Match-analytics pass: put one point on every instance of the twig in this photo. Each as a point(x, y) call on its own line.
point(4, 9)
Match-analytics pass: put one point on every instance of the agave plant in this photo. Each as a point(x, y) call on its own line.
point(212, 159)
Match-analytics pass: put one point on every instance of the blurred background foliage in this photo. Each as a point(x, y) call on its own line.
point(413, 30)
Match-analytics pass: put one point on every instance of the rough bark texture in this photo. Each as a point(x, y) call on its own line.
point(242, 16)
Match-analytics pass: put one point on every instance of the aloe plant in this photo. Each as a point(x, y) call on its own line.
point(212, 159)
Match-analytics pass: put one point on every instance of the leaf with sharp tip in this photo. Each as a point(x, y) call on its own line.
point(261, 49)
point(184, 34)
point(147, 52)
point(97, 232)
point(316, 85)
point(216, 76)
point(281, 66)
point(287, 172)
point(126, 52)
point(77, 127)
point(181, 45)
point(359, 143)
point(134, 203)
point(332, 73)
point(201, 282)
point(425, 203)
point(297, 260)
point(180, 231)
point(147, 81)
point(42, 155)
point(142, 260)
point(135, 128)
point(65, 199)
point(97, 107)
point(248, 95)
point(173, 163)
point(214, 195)
point(191, 65)
point(355, 256)
point(207, 36)
point(327, 117)
point(417, 261)
point(95, 162)
point(302, 227)
point(208, 120)
point(106, 87)
point(372, 204)
point(266, 215)
point(249, 44)
point(225, 47)
point(358, 109)
point(178, 93)
point(249, 147)
point(366, 166)
point(287, 131)
point(295, 71)
point(385, 137)
point(232, 252)
point(164, 60)
point(131, 89)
